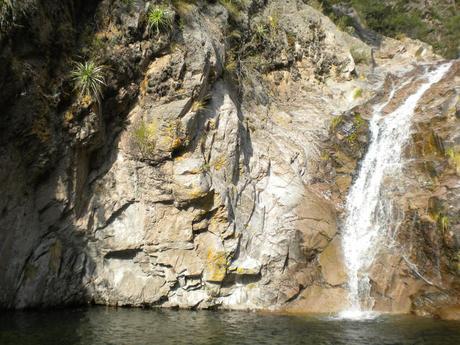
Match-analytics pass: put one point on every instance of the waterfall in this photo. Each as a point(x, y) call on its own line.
point(366, 226)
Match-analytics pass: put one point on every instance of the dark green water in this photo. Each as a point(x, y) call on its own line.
point(138, 327)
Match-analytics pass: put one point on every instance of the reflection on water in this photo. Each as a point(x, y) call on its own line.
point(107, 326)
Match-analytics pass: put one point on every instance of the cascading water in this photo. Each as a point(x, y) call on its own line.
point(365, 227)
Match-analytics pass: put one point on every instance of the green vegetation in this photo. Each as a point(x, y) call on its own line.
point(454, 157)
point(443, 222)
point(358, 121)
point(160, 19)
point(234, 7)
point(361, 55)
point(200, 105)
point(260, 31)
point(145, 138)
point(435, 22)
point(357, 93)
point(336, 121)
point(89, 79)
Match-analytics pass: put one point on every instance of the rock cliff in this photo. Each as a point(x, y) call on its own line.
point(213, 171)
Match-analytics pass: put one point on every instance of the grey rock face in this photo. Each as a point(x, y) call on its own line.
point(191, 185)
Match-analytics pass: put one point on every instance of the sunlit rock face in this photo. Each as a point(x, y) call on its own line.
point(215, 170)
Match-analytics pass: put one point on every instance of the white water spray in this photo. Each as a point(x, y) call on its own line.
point(365, 227)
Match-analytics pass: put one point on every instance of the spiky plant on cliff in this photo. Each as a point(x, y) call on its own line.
point(89, 79)
point(159, 19)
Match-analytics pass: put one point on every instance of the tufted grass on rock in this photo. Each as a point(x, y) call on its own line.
point(234, 7)
point(443, 222)
point(159, 19)
point(144, 136)
point(183, 7)
point(361, 55)
point(89, 79)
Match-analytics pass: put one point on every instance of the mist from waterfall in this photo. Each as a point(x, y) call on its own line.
point(365, 226)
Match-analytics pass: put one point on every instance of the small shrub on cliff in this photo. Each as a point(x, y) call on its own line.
point(89, 79)
point(144, 136)
point(159, 19)
point(260, 31)
point(361, 55)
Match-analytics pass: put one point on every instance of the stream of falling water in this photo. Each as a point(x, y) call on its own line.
point(365, 227)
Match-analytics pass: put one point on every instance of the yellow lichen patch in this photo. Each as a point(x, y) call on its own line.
point(86, 101)
point(144, 84)
point(212, 124)
point(219, 163)
point(176, 143)
point(40, 129)
point(216, 266)
point(251, 286)
point(196, 193)
point(246, 271)
point(174, 135)
point(55, 256)
point(434, 144)
point(68, 117)
point(454, 158)
point(325, 156)
point(357, 93)
point(282, 119)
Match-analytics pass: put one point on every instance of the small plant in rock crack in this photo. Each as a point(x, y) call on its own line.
point(89, 79)
point(260, 32)
point(159, 19)
point(6, 13)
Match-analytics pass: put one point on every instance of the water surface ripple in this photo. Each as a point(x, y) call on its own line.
point(107, 326)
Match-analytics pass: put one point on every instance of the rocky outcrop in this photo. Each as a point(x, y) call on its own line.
point(214, 171)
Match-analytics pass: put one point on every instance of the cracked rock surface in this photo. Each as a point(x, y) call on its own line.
point(198, 184)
